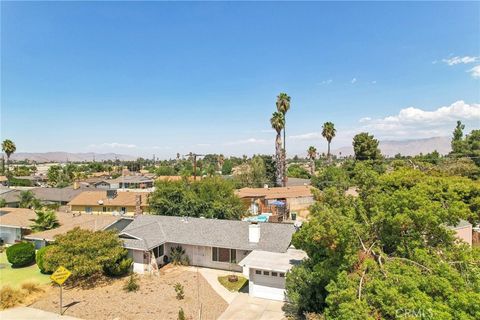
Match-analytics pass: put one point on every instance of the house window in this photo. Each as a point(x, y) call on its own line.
point(282, 275)
point(158, 251)
point(104, 209)
point(266, 273)
point(88, 209)
point(123, 210)
point(274, 274)
point(223, 254)
point(258, 272)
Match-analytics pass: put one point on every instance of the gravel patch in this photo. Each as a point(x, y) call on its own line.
point(156, 298)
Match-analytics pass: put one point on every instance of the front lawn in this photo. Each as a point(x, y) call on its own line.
point(233, 286)
point(14, 277)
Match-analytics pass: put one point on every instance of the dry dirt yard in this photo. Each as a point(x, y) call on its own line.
point(156, 298)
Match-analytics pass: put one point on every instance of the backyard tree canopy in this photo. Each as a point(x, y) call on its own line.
point(210, 197)
point(389, 253)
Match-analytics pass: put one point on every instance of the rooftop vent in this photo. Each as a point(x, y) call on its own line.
point(253, 233)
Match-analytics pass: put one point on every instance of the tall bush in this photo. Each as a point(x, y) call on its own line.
point(86, 253)
point(40, 258)
point(21, 254)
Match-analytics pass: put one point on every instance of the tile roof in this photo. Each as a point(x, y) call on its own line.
point(151, 231)
point(123, 198)
point(69, 222)
point(131, 179)
point(56, 194)
point(275, 192)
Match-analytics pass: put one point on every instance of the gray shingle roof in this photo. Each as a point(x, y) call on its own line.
point(154, 230)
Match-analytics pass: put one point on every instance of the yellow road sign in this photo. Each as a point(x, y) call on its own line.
point(60, 275)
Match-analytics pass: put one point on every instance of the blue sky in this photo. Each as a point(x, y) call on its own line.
point(162, 77)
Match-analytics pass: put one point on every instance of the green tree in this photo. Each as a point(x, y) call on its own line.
point(365, 147)
point(458, 145)
point(85, 253)
point(45, 220)
point(165, 171)
point(212, 197)
point(472, 141)
point(297, 171)
point(389, 251)
point(331, 176)
point(8, 146)
point(26, 199)
point(312, 154)
point(328, 132)
point(3, 203)
point(227, 167)
point(278, 123)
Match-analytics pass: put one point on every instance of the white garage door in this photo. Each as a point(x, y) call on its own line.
point(267, 285)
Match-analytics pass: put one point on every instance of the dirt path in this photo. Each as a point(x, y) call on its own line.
point(156, 299)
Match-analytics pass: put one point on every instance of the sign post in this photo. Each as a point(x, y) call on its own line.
point(60, 276)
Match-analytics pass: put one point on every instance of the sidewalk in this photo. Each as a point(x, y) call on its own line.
point(27, 313)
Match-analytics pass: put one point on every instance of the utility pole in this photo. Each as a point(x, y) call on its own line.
point(194, 155)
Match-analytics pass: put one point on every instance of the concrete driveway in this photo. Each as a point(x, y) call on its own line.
point(244, 307)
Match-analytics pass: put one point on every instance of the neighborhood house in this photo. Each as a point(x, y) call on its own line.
point(110, 202)
point(219, 244)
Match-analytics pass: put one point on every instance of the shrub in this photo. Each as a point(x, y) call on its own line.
point(119, 267)
point(177, 255)
point(40, 260)
point(131, 285)
point(86, 253)
point(10, 297)
point(181, 314)
point(21, 254)
point(31, 287)
point(179, 290)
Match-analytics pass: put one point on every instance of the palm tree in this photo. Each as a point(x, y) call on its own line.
point(9, 148)
point(328, 132)
point(26, 199)
point(312, 153)
point(283, 105)
point(46, 220)
point(278, 123)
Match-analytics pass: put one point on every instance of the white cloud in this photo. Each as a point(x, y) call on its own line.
point(417, 123)
point(246, 141)
point(374, 82)
point(203, 144)
point(327, 82)
point(307, 136)
point(113, 145)
point(460, 60)
point(475, 72)
point(354, 80)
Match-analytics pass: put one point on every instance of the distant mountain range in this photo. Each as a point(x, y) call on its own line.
point(388, 148)
point(406, 147)
point(42, 157)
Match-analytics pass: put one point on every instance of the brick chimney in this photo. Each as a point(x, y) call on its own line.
point(138, 204)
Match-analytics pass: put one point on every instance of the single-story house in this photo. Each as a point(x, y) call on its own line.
point(463, 231)
point(15, 223)
point(114, 202)
point(69, 221)
point(132, 182)
point(61, 196)
point(11, 197)
point(213, 243)
point(265, 200)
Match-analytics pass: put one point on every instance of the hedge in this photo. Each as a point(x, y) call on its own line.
point(21, 254)
point(39, 259)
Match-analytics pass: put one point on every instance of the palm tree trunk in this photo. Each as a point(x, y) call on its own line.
point(284, 158)
point(312, 166)
point(278, 158)
point(328, 152)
